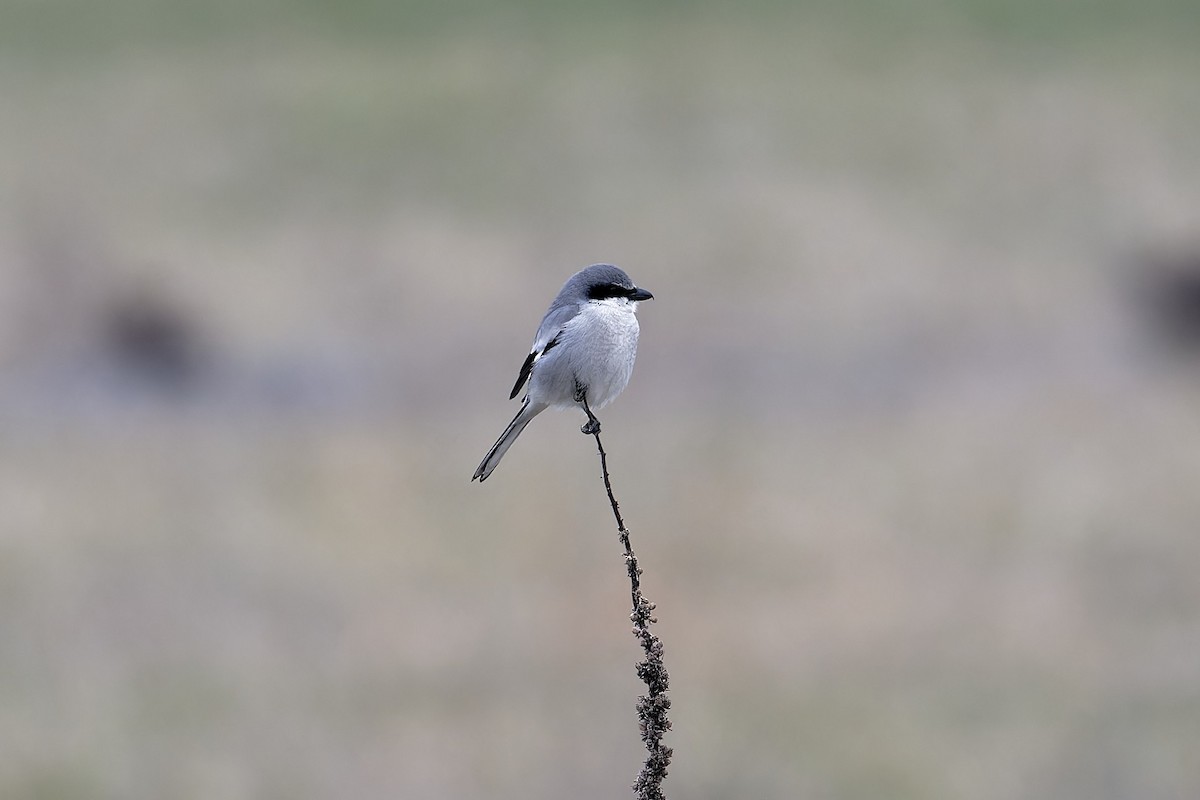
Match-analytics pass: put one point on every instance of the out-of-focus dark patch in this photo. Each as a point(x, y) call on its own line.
point(153, 341)
point(1167, 291)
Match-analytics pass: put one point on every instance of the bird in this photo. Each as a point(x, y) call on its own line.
point(582, 354)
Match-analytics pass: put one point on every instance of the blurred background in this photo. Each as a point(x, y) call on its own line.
point(911, 454)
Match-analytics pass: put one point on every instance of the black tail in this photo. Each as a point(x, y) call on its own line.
point(523, 418)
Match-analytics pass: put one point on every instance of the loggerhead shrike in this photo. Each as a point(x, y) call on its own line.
point(582, 354)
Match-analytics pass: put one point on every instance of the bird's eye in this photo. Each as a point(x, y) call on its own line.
point(603, 291)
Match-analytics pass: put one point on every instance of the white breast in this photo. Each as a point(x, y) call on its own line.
point(597, 348)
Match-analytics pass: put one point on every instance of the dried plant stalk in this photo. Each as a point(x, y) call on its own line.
point(652, 707)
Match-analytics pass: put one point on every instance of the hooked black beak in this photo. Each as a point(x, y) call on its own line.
point(640, 294)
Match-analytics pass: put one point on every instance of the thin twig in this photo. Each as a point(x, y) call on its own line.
point(652, 707)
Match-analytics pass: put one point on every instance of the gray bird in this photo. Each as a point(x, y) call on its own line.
point(582, 354)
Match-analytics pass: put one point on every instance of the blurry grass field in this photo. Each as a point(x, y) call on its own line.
point(913, 488)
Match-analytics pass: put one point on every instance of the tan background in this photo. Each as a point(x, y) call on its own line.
point(912, 472)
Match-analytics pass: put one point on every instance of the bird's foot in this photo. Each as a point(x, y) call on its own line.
point(592, 426)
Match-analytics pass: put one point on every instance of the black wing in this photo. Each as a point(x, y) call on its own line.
point(527, 367)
